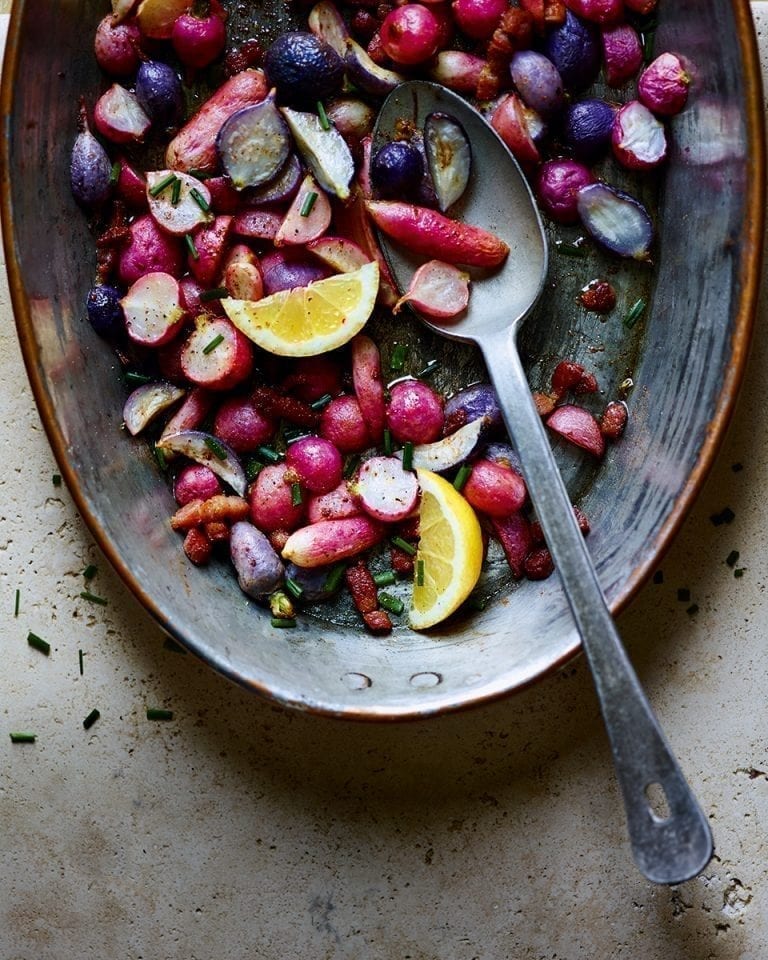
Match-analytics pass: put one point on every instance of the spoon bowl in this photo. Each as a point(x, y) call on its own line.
point(669, 833)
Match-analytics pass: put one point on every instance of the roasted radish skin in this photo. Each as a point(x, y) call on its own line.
point(216, 355)
point(153, 310)
point(368, 384)
point(332, 540)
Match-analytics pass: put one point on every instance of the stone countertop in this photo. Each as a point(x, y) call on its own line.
point(237, 830)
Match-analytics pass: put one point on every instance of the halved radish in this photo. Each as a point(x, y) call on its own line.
point(216, 355)
point(178, 202)
point(258, 224)
point(209, 450)
point(191, 414)
point(153, 310)
point(340, 254)
point(438, 290)
point(368, 384)
point(118, 116)
point(146, 402)
point(242, 274)
point(385, 490)
point(579, 427)
point(514, 535)
point(450, 451)
point(210, 248)
point(308, 217)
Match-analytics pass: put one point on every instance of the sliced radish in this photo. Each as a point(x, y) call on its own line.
point(210, 247)
point(191, 414)
point(257, 224)
point(146, 402)
point(438, 290)
point(153, 310)
point(368, 384)
point(118, 116)
point(216, 355)
point(209, 450)
point(450, 451)
point(340, 254)
point(579, 427)
point(178, 202)
point(242, 274)
point(385, 490)
point(308, 217)
point(336, 505)
point(638, 139)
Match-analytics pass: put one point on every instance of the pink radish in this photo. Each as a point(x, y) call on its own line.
point(308, 216)
point(638, 138)
point(432, 234)
point(457, 70)
point(117, 47)
point(314, 377)
point(156, 17)
point(343, 424)
point(178, 202)
point(511, 121)
point(272, 503)
point(198, 40)
point(242, 274)
point(367, 381)
point(224, 197)
point(147, 402)
point(191, 414)
point(207, 450)
point(334, 505)
point(118, 116)
point(514, 535)
point(153, 310)
point(598, 11)
point(194, 147)
point(216, 355)
point(210, 244)
point(622, 53)
point(329, 541)
point(450, 451)
point(316, 462)
point(242, 425)
point(438, 290)
point(385, 490)
point(352, 220)
point(494, 489)
point(257, 224)
point(415, 412)
point(338, 253)
point(663, 85)
point(478, 18)
point(195, 482)
point(148, 250)
point(131, 186)
point(579, 427)
point(410, 34)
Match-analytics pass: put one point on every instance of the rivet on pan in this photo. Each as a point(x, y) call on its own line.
point(426, 679)
point(357, 681)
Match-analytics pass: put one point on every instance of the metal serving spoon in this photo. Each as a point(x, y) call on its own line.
point(668, 847)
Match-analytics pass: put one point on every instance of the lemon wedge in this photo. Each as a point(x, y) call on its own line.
point(450, 552)
point(306, 321)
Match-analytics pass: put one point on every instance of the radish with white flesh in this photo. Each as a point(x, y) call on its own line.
point(338, 253)
point(618, 221)
point(257, 224)
point(146, 402)
point(329, 541)
point(352, 220)
point(450, 451)
point(325, 151)
point(638, 139)
point(510, 120)
point(438, 290)
point(457, 70)
point(368, 384)
point(178, 202)
point(153, 310)
point(191, 414)
point(194, 146)
point(253, 144)
point(210, 243)
point(149, 250)
point(131, 187)
point(259, 569)
point(118, 116)
point(449, 157)
point(211, 452)
point(216, 355)
point(385, 490)
point(337, 504)
point(272, 502)
point(156, 17)
point(242, 275)
point(316, 462)
point(281, 188)
point(494, 489)
point(308, 216)
point(579, 427)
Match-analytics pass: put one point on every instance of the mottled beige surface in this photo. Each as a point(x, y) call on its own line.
point(238, 831)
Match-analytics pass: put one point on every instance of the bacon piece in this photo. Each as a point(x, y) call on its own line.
point(197, 546)
point(538, 564)
point(216, 531)
point(614, 420)
point(275, 405)
point(402, 562)
point(378, 621)
point(224, 508)
point(362, 587)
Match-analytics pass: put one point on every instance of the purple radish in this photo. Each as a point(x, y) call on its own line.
point(616, 220)
point(449, 452)
point(557, 188)
point(253, 144)
point(663, 85)
point(622, 53)
point(242, 425)
point(259, 569)
point(537, 81)
point(207, 450)
point(159, 92)
point(147, 402)
point(273, 505)
point(195, 482)
point(285, 269)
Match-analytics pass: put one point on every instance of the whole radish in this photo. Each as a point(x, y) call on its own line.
point(410, 34)
point(117, 46)
point(199, 37)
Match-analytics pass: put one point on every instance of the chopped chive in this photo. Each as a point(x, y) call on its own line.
point(694, 608)
point(283, 622)
point(738, 572)
point(210, 347)
point(634, 313)
point(726, 515)
point(732, 558)
point(87, 595)
point(293, 588)
point(38, 643)
point(80, 661)
point(576, 248)
point(462, 476)
point(309, 202)
point(399, 354)
point(333, 579)
point(428, 370)
point(393, 604)
point(387, 445)
point(56, 479)
point(114, 173)
point(658, 577)
point(162, 184)
point(322, 402)
point(201, 174)
point(92, 717)
point(325, 123)
point(351, 466)
point(408, 455)
point(296, 497)
point(16, 603)
point(200, 200)
point(191, 246)
point(155, 713)
point(216, 294)
point(403, 545)
point(176, 193)
point(90, 571)
point(420, 573)
point(252, 469)
point(132, 376)
point(476, 602)
point(160, 457)
point(23, 737)
point(216, 448)
point(384, 579)
point(294, 433)
point(267, 453)
point(683, 594)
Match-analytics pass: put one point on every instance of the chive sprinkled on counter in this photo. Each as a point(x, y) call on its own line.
point(38, 643)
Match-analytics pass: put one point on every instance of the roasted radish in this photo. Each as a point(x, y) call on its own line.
point(211, 452)
point(308, 216)
point(216, 355)
point(118, 116)
point(153, 310)
point(329, 541)
point(147, 402)
point(385, 490)
point(438, 290)
point(178, 202)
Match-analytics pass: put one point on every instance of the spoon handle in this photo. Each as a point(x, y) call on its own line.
point(670, 845)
